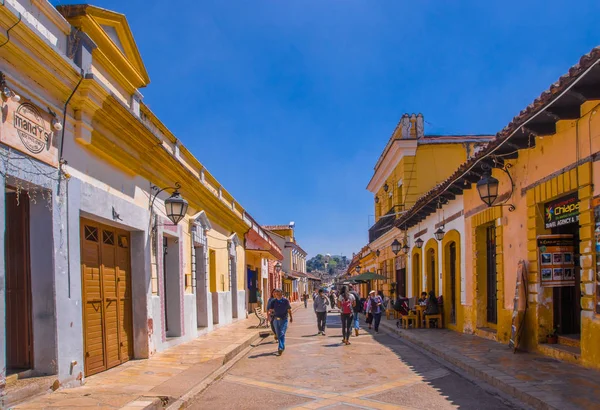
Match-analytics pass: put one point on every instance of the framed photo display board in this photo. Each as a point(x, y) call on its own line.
point(556, 260)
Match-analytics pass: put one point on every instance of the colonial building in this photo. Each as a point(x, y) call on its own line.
point(410, 165)
point(261, 252)
point(119, 242)
point(518, 227)
point(295, 281)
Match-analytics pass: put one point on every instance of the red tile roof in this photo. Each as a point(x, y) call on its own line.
point(556, 90)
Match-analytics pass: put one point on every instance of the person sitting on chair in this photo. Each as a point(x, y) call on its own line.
point(423, 299)
point(432, 307)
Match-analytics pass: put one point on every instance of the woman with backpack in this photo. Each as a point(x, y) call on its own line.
point(346, 303)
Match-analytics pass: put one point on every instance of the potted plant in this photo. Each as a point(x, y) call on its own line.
point(552, 337)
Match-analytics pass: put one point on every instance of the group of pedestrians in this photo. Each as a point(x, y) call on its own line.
point(350, 306)
point(348, 302)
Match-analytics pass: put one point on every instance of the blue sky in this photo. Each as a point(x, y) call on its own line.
point(290, 102)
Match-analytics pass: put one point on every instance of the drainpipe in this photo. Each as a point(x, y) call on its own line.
point(83, 58)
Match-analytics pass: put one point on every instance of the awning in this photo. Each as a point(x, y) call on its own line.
point(310, 276)
point(295, 274)
point(368, 276)
point(262, 244)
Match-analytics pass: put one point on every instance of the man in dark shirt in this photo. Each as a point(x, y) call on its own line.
point(279, 309)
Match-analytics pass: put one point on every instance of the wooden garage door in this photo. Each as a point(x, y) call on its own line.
point(106, 278)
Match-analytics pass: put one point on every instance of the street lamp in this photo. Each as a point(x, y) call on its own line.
point(278, 267)
point(175, 206)
point(405, 248)
point(396, 245)
point(439, 234)
point(419, 243)
point(487, 187)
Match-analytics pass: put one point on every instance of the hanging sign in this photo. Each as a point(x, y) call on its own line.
point(556, 260)
point(562, 211)
point(29, 130)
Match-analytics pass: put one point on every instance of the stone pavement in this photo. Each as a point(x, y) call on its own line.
point(154, 382)
point(537, 380)
point(374, 372)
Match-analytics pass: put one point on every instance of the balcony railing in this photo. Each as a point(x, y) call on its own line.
point(385, 223)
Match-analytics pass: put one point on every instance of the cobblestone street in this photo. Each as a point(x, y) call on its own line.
point(377, 371)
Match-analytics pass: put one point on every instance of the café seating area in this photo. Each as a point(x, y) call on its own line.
point(416, 316)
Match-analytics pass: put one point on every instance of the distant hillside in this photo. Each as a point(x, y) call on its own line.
point(337, 263)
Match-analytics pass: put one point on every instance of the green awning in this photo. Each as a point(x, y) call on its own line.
point(368, 276)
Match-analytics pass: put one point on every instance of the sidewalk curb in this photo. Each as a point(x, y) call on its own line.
point(230, 359)
point(228, 362)
point(507, 384)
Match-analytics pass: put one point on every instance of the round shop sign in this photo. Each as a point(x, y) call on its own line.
point(32, 128)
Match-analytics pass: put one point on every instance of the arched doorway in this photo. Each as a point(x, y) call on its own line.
point(416, 272)
point(451, 277)
point(431, 266)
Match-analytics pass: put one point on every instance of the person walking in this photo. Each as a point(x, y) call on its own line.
point(305, 298)
point(332, 303)
point(356, 310)
point(346, 303)
point(368, 315)
point(321, 303)
point(375, 307)
point(269, 315)
point(280, 308)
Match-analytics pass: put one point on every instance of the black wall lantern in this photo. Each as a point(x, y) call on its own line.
point(278, 267)
point(377, 253)
point(419, 243)
point(405, 248)
point(175, 206)
point(488, 186)
point(396, 245)
point(376, 199)
point(386, 187)
point(357, 269)
point(439, 234)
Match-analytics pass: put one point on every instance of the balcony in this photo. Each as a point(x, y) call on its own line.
point(385, 223)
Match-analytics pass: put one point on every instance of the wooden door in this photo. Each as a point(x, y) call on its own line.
point(19, 337)
point(453, 283)
point(491, 277)
point(106, 280)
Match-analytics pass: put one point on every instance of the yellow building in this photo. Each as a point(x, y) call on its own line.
point(119, 267)
point(363, 261)
point(410, 165)
point(530, 206)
